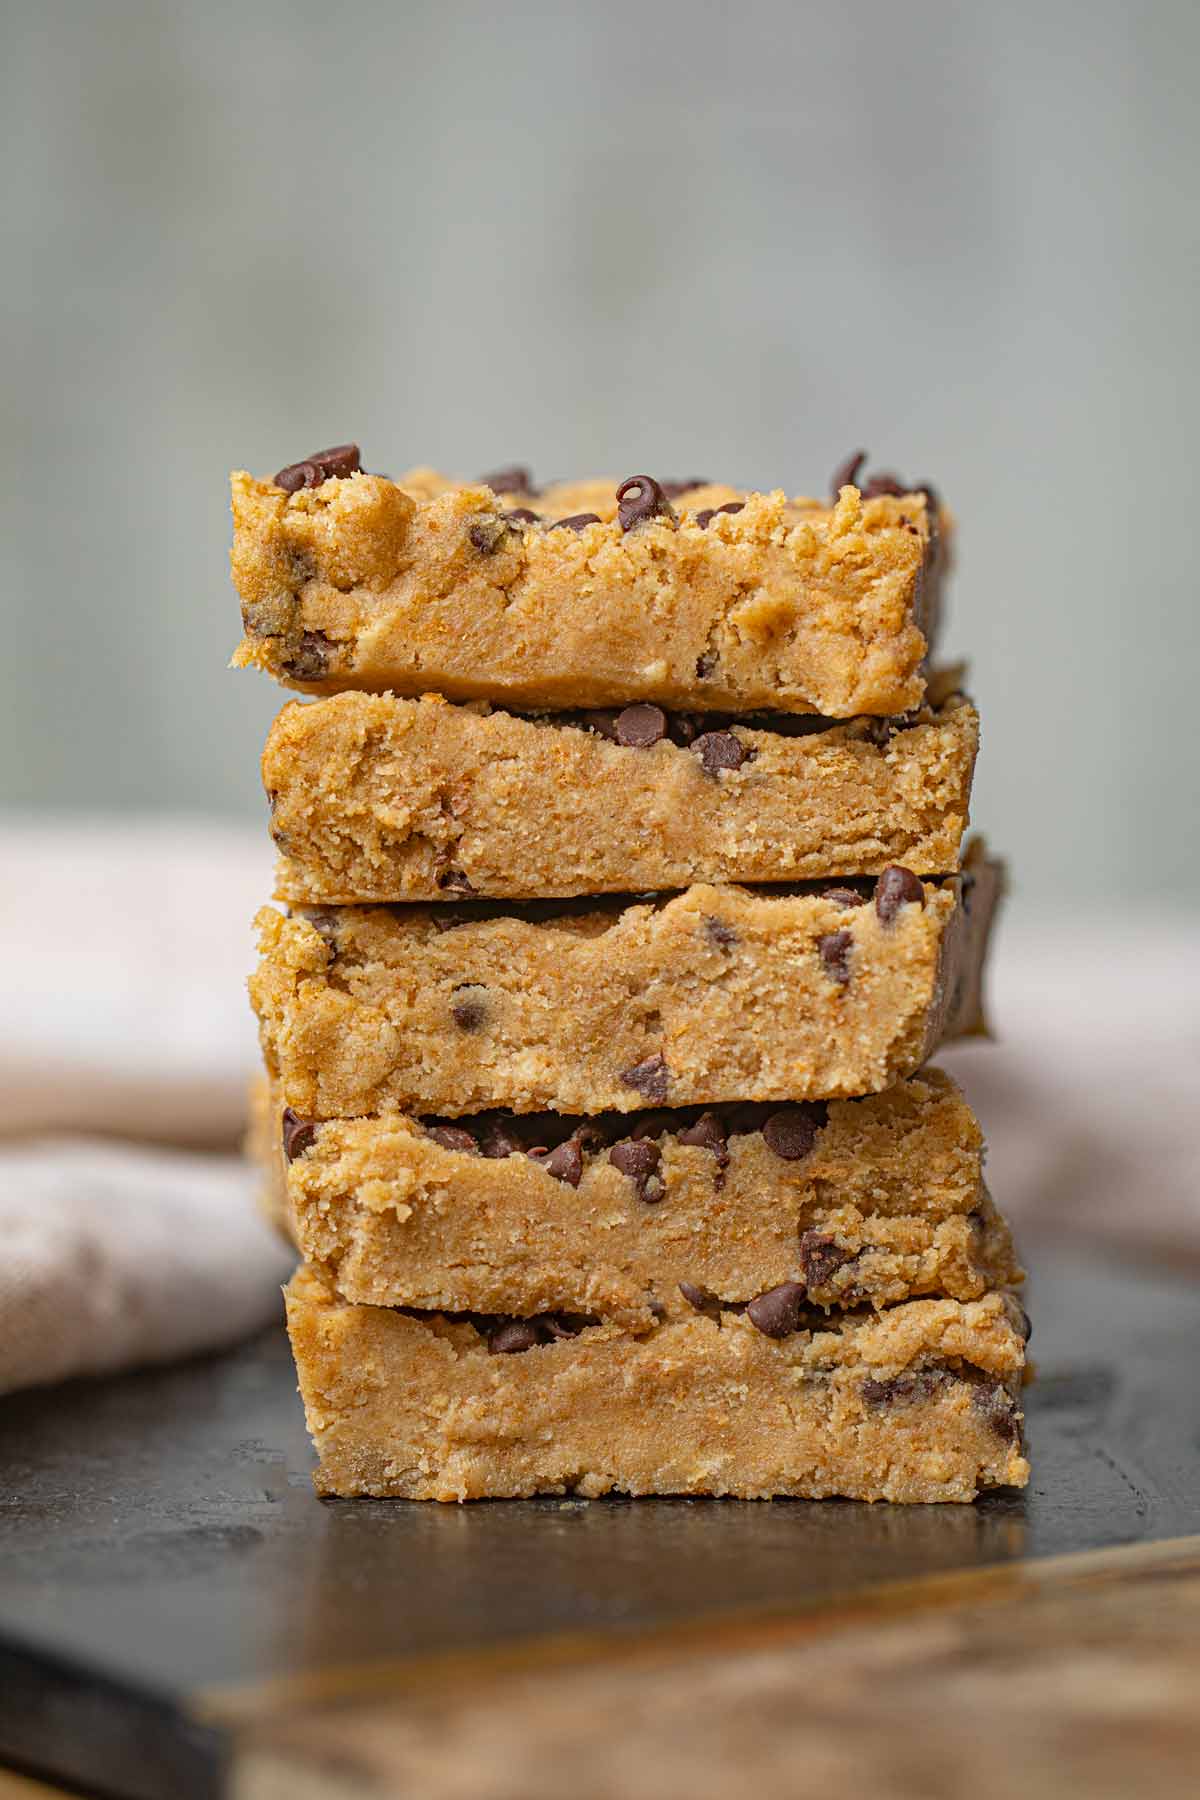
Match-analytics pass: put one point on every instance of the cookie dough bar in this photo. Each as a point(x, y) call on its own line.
point(376, 798)
point(862, 1203)
point(571, 597)
point(718, 993)
point(921, 1403)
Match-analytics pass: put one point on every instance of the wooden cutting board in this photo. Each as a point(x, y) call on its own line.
point(180, 1617)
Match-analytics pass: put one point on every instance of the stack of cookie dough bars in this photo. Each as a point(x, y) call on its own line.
point(623, 896)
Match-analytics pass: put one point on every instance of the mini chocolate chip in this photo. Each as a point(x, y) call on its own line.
point(576, 521)
point(640, 726)
point(702, 1299)
point(455, 880)
point(559, 1326)
point(299, 1134)
point(879, 732)
point(821, 1257)
point(453, 1137)
point(993, 1400)
point(651, 1078)
point(323, 465)
point(719, 750)
point(516, 479)
point(656, 1309)
point(639, 1159)
point(779, 1311)
point(707, 514)
point(521, 515)
point(310, 660)
point(498, 1141)
point(895, 888)
point(719, 933)
point(511, 1339)
point(686, 728)
point(913, 1384)
point(792, 1132)
point(834, 950)
point(487, 533)
point(846, 473)
point(845, 897)
point(565, 1162)
point(325, 923)
point(639, 499)
point(470, 1011)
point(673, 489)
point(708, 1133)
point(706, 664)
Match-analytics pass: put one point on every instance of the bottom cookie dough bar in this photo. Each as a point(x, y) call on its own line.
point(865, 1202)
point(920, 1403)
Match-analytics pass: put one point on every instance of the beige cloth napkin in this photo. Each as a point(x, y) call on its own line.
point(124, 950)
point(123, 955)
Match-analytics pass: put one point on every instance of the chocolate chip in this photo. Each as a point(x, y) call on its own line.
point(701, 1298)
point(299, 1134)
point(650, 1078)
point(706, 664)
point(470, 1011)
point(895, 888)
point(639, 499)
point(455, 880)
point(564, 1325)
point(707, 514)
point(565, 1162)
point(843, 896)
point(719, 933)
point(322, 465)
point(325, 923)
point(639, 1159)
point(708, 1133)
point(512, 1338)
point(640, 726)
point(792, 1132)
point(498, 1141)
point(310, 660)
point(576, 521)
point(846, 474)
point(719, 750)
point(779, 1311)
point(993, 1400)
point(487, 533)
point(821, 1257)
point(673, 489)
point(913, 1384)
point(879, 732)
point(884, 484)
point(516, 479)
point(453, 1137)
point(834, 950)
point(521, 515)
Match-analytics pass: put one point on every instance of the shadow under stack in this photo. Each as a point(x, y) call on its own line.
point(626, 897)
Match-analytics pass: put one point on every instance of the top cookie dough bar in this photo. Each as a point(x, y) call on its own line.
point(689, 594)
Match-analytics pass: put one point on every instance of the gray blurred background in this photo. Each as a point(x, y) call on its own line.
point(682, 238)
